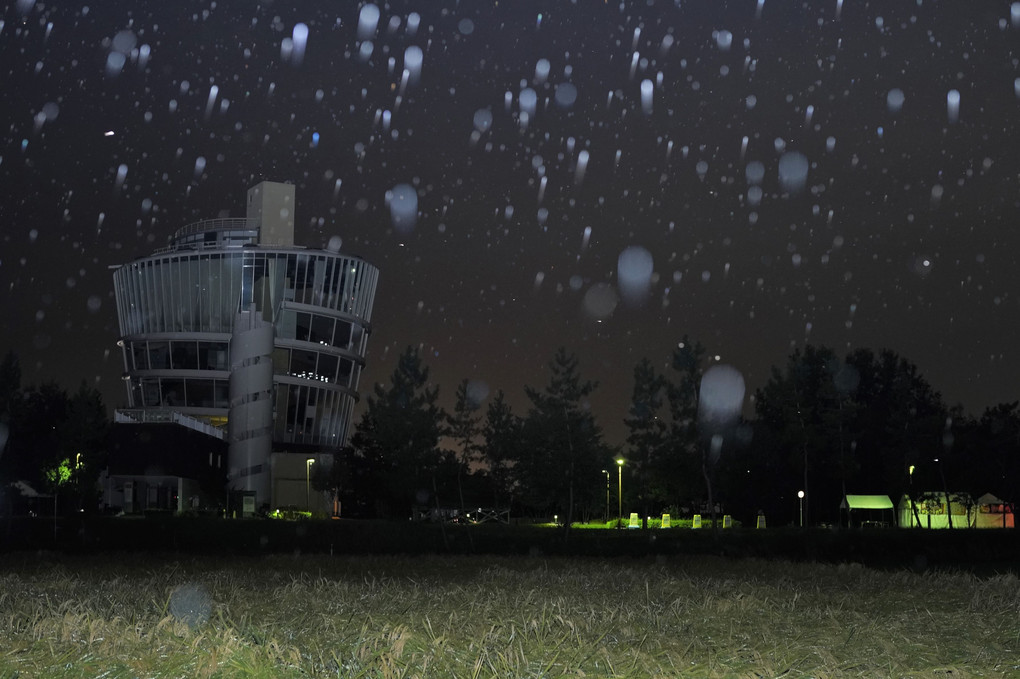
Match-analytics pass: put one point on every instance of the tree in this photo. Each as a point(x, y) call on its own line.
point(798, 409)
point(463, 429)
point(860, 424)
point(647, 438)
point(332, 475)
point(500, 448)
point(10, 386)
point(899, 424)
point(681, 462)
point(995, 464)
point(83, 436)
point(396, 443)
point(560, 464)
point(35, 443)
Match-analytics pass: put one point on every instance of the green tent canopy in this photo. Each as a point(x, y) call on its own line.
point(867, 510)
point(852, 502)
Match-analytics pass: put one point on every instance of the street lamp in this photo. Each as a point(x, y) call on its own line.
point(619, 496)
point(606, 472)
point(308, 483)
point(800, 495)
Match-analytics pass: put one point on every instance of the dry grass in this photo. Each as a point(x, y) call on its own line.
point(498, 617)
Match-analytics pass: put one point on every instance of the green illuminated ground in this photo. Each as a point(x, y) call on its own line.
point(142, 616)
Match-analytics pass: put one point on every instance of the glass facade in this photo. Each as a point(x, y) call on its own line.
point(177, 307)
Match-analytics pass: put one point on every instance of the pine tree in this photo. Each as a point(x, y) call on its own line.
point(560, 463)
point(647, 437)
point(463, 429)
point(501, 448)
point(683, 469)
point(396, 443)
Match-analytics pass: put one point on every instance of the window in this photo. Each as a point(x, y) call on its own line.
point(150, 391)
point(286, 325)
point(322, 330)
point(138, 356)
point(281, 361)
point(327, 367)
point(342, 336)
point(212, 356)
point(172, 392)
point(221, 393)
point(159, 355)
point(304, 326)
point(184, 355)
point(346, 367)
point(200, 393)
point(302, 363)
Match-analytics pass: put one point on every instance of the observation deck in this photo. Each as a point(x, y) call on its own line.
point(234, 232)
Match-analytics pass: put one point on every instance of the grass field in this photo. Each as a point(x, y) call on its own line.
point(462, 616)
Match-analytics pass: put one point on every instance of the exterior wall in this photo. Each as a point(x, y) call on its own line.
point(271, 205)
point(134, 494)
point(292, 486)
point(251, 405)
point(177, 310)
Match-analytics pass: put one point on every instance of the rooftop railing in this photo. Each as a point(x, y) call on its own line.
point(224, 224)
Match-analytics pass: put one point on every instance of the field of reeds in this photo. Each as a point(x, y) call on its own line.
point(143, 615)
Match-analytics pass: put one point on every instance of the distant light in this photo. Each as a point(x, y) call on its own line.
point(108, 133)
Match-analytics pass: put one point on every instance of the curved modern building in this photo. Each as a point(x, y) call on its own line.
point(233, 330)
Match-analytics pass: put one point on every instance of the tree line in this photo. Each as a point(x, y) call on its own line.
point(52, 441)
point(864, 423)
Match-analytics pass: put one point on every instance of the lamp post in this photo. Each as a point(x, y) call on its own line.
point(800, 496)
point(308, 483)
point(619, 496)
point(606, 472)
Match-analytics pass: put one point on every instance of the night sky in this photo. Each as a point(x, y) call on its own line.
point(675, 132)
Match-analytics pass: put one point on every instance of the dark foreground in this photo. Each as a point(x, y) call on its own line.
point(980, 551)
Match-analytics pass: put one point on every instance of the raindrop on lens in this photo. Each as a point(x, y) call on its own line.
point(483, 120)
point(565, 95)
point(403, 201)
point(755, 172)
point(894, 100)
point(299, 40)
point(953, 106)
point(647, 88)
point(793, 171)
point(721, 395)
point(115, 64)
point(528, 101)
point(599, 301)
point(634, 269)
point(368, 21)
